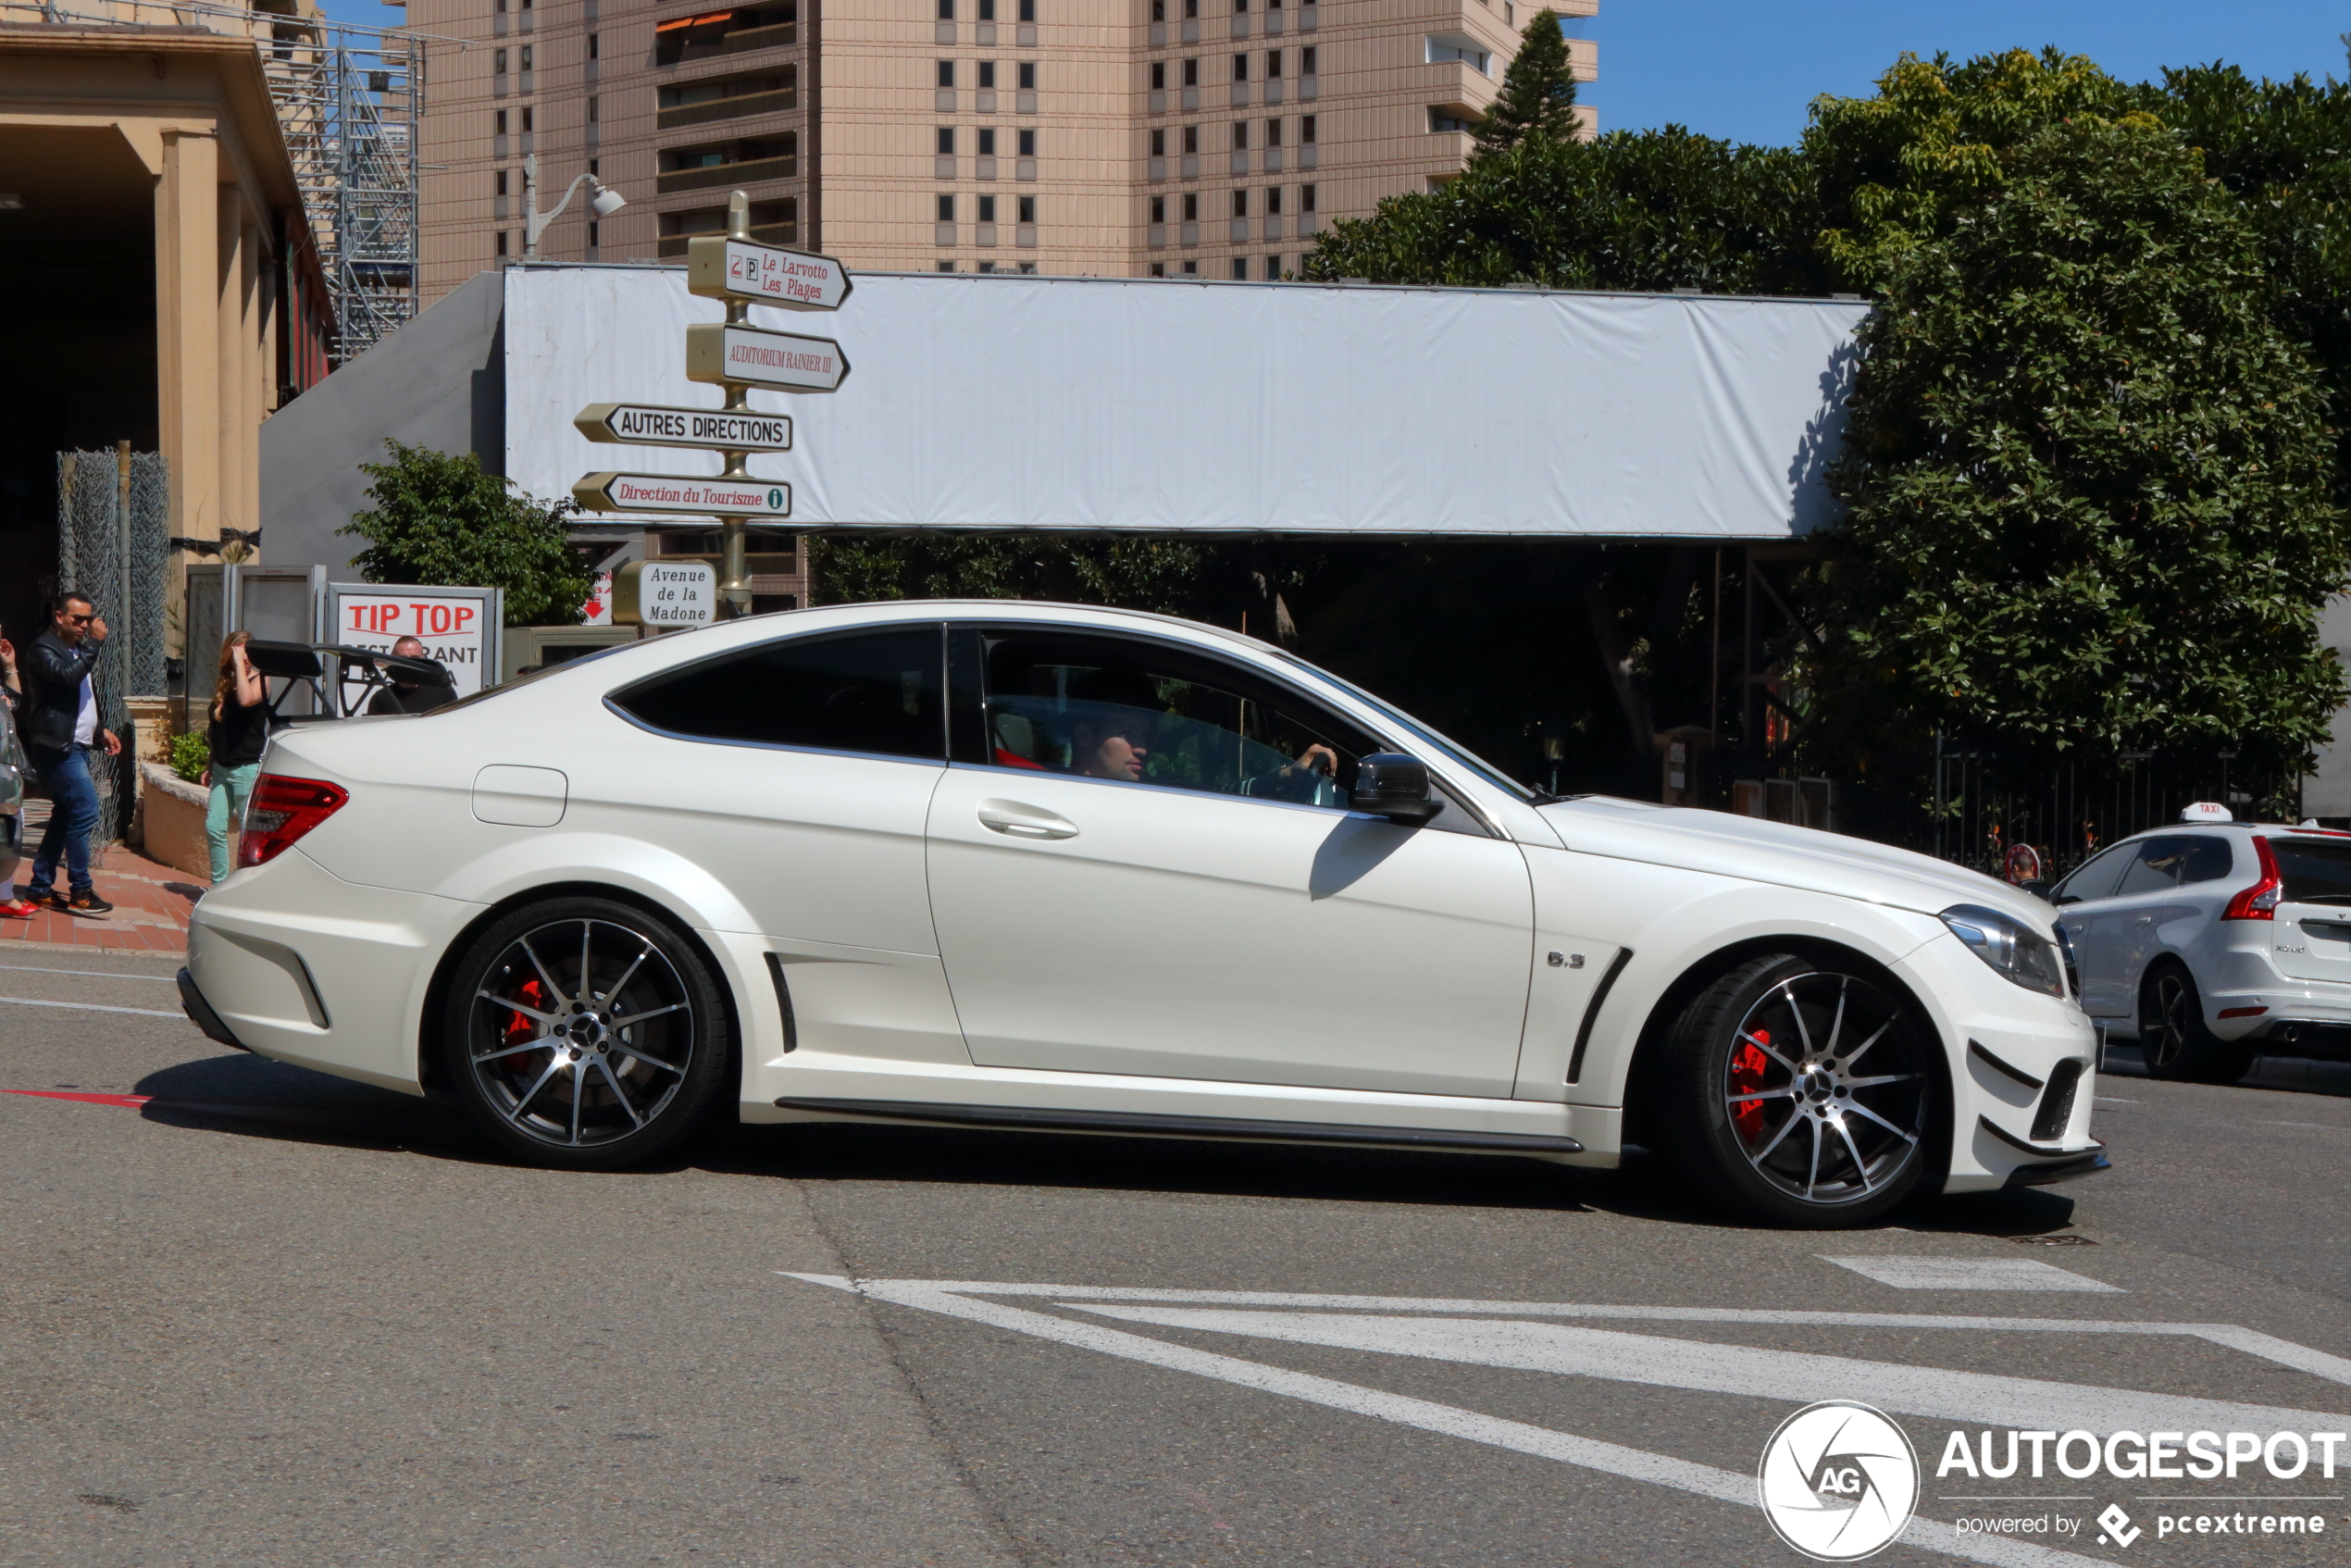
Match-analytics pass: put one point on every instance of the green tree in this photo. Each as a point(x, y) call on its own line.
point(1170, 576)
point(2283, 149)
point(439, 520)
point(1537, 100)
point(2087, 476)
point(1647, 210)
point(1897, 170)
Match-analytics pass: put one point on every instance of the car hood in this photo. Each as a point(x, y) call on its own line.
point(1781, 853)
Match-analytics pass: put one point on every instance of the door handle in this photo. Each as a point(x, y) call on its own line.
point(2146, 919)
point(1016, 820)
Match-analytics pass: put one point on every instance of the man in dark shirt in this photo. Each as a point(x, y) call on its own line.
point(61, 730)
point(407, 696)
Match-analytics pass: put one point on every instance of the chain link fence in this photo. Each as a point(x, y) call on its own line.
point(113, 546)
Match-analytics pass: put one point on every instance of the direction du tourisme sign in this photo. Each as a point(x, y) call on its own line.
point(666, 493)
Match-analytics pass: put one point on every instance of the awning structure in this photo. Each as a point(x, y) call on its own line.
point(1135, 406)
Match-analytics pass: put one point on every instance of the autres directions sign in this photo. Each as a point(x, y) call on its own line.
point(672, 494)
point(648, 424)
point(721, 352)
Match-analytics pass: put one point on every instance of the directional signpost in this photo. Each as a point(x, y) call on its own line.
point(647, 424)
point(735, 356)
point(722, 497)
point(728, 268)
point(783, 360)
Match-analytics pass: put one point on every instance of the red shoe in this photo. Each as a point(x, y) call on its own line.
point(19, 909)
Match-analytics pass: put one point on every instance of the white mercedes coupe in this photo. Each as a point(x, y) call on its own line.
point(1038, 866)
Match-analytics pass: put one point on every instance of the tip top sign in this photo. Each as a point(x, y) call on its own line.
point(720, 268)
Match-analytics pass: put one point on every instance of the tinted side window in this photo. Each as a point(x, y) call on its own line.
point(2159, 866)
point(2210, 858)
point(874, 691)
point(1110, 708)
point(2097, 879)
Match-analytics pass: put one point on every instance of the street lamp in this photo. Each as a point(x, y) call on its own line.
point(605, 203)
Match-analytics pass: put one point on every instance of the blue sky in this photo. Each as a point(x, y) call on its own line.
point(1745, 70)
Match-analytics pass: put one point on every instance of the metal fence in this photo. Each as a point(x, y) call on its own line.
point(114, 545)
point(1974, 808)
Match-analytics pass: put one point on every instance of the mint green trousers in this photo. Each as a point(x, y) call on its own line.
point(226, 810)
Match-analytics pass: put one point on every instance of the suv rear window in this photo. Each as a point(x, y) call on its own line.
point(2316, 870)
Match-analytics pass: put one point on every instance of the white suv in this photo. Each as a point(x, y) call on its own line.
point(2210, 941)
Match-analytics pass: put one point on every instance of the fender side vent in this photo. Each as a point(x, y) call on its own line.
point(2056, 1104)
point(783, 1001)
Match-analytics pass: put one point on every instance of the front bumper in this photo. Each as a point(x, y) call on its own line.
point(2022, 1069)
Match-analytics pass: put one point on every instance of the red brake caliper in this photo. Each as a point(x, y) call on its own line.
point(1747, 1077)
point(519, 1028)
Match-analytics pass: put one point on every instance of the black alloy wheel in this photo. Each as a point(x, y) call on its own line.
point(1802, 1094)
point(2174, 1041)
point(586, 1034)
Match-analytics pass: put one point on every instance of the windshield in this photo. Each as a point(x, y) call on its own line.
point(1422, 732)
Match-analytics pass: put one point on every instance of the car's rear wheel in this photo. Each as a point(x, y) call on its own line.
point(2174, 1041)
point(1801, 1093)
point(586, 1034)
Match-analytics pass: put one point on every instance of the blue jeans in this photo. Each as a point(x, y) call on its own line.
point(73, 812)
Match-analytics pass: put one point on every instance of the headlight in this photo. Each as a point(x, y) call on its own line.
point(2009, 945)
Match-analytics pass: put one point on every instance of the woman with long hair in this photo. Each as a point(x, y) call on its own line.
point(238, 730)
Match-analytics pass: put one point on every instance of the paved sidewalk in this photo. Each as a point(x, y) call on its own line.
point(151, 903)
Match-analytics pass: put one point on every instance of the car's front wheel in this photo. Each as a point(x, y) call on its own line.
point(585, 1033)
point(1800, 1093)
point(2174, 1041)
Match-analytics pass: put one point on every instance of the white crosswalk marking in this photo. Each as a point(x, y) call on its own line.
point(1513, 1335)
point(1795, 1376)
point(1905, 1272)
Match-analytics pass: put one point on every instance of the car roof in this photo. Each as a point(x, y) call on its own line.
point(2264, 828)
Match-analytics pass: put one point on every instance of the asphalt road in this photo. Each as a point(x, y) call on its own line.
point(266, 1317)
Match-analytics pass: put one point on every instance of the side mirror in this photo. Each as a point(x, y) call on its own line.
point(1392, 785)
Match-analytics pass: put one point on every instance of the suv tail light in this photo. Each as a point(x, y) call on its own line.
point(2258, 901)
point(281, 810)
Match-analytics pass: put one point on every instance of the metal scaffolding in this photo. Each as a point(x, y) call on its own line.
point(350, 103)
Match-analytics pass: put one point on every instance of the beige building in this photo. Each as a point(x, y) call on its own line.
point(169, 290)
point(1114, 137)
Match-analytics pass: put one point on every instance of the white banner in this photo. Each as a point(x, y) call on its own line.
point(1153, 405)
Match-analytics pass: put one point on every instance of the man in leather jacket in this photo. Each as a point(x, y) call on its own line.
point(60, 730)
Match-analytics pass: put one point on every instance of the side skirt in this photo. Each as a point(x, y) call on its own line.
point(1162, 1126)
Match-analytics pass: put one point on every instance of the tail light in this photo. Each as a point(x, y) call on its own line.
point(2258, 901)
point(281, 810)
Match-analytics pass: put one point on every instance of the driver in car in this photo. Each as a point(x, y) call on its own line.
point(1112, 742)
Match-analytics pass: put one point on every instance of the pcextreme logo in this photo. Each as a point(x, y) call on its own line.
point(1838, 1481)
